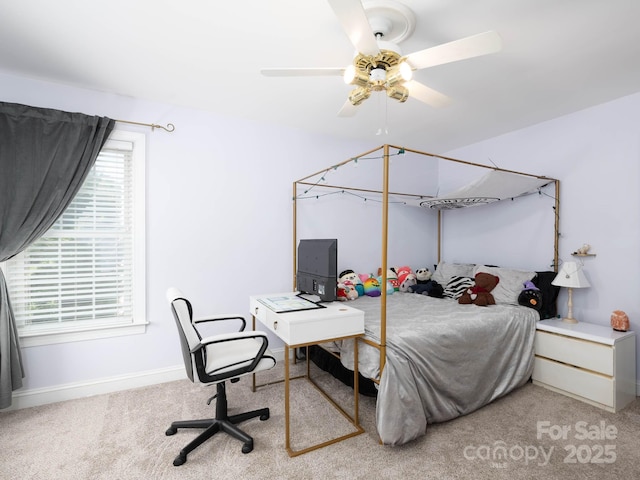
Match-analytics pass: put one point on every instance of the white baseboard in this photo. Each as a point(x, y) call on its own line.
point(58, 393)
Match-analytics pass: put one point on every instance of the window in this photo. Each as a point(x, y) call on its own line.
point(84, 278)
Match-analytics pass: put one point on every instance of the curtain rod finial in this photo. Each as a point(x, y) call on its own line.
point(169, 128)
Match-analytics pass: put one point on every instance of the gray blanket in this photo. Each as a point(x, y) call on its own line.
point(443, 359)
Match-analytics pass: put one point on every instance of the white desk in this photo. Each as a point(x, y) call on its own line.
point(303, 328)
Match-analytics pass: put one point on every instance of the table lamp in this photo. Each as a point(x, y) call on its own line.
point(570, 276)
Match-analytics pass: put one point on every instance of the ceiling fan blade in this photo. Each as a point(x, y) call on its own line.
point(427, 95)
point(355, 23)
point(302, 72)
point(468, 47)
point(348, 109)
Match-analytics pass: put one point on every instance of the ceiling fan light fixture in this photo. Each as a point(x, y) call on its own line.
point(398, 93)
point(359, 95)
point(405, 71)
point(353, 76)
point(399, 74)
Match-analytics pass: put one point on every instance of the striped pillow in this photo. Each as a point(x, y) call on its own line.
point(457, 286)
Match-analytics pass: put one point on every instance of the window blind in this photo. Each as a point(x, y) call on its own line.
point(81, 270)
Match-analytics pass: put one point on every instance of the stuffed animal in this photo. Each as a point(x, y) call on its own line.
point(406, 278)
point(346, 291)
point(430, 288)
point(341, 292)
point(480, 293)
point(530, 296)
point(423, 275)
point(425, 285)
point(349, 277)
point(392, 276)
point(372, 287)
point(390, 287)
point(583, 250)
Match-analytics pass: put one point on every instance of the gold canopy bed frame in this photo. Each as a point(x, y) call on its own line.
point(384, 193)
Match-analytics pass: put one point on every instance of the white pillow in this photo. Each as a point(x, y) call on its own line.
point(510, 284)
point(446, 271)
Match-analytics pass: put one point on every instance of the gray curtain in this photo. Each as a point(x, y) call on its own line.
point(45, 156)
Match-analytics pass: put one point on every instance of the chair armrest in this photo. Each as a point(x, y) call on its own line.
point(215, 318)
point(230, 337)
point(254, 356)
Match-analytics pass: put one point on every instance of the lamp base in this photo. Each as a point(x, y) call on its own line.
point(569, 320)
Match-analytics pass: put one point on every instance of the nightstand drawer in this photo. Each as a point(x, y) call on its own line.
point(589, 385)
point(581, 353)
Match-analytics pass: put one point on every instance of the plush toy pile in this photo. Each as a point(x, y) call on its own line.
point(480, 293)
point(399, 279)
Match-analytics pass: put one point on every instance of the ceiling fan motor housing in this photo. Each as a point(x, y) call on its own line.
point(377, 73)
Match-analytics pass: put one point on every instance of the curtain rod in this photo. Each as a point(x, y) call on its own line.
point(169, 128)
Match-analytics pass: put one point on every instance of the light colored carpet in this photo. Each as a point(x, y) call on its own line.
point(121, 436)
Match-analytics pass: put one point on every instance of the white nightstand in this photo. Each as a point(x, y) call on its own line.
point(589, 362)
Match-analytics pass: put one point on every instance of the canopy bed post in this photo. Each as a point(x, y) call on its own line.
point(557, 227)
point(385, 236)
point(295, 230)
point(439, 235)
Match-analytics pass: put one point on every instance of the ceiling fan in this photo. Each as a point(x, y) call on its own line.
point(374, 28)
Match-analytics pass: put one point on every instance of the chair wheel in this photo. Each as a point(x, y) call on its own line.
point(179, 460)
point(171, 431)
point(264, 417)
point(247, 447)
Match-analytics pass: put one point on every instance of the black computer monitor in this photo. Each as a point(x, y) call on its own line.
point(317, 269)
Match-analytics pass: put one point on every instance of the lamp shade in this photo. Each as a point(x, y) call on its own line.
point(571, 276)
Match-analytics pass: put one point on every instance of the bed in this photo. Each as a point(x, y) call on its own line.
point(433, 359)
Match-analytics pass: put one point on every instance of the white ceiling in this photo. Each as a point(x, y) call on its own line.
point(558, 56)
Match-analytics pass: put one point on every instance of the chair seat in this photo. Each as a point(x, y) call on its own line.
point(226, 356)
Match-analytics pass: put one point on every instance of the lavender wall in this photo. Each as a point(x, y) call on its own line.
point(596, 155)
point(219, 225)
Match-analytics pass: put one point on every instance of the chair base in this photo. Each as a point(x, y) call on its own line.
point(211, 426)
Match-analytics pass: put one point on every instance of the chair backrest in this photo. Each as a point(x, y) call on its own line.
point(189, 337)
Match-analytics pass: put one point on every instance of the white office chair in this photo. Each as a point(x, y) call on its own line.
point(215, 359)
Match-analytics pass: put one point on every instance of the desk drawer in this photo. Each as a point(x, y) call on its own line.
point(269, 319)
point(581, 353)
point(335, 320)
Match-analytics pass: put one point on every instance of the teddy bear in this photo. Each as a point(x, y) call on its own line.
point(480, 293)
point(530, 296)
